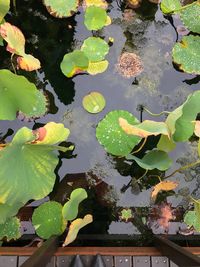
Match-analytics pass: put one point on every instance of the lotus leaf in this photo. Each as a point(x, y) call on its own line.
point(95, 18)
point(180, 121)
point(18, 94)
point(94, 102)
point(154, 159)
point(186, 54)
point(7, 211)
point(4, 8)
point(144, 129)
point(95, 48)
point(166, 144)
point(74, 63)
point(169, 6)
point(112, 137)
point(75, 227)
point(16, 45)
point(48, 220)
point(97, 67)
point(10, 229)
point(191, 17)
point(70, 209)
point(29, 164)
point(61, 8)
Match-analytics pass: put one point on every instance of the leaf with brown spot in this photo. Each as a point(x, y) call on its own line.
point(16, 45)
point(163, 186)
point(74, 228)
point(144, 129)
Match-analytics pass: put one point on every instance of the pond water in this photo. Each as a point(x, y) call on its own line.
point(159, 87)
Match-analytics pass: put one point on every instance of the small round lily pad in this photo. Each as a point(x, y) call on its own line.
point(95, 18)
point(94, 102)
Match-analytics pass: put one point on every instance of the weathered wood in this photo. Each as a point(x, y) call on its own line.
point(141, 261)
point(8, 261)
point(123, 261)
point(159, 261)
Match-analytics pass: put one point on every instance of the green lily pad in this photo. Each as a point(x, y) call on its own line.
point(48, 220)
point(94, 102)
point(191, 17)
point(169, 6)
point(29, 162)
point(95, 18)
point(4, 8)
point(190, 219)
point(112, 137)
point(61, 8)
point(7, 211)
point(186, 54)
point(126, 215)
point(95, 48)
point(18, 94)
point(10, 229)
point(74, 63)
point(97, 67)
point(180, 121)
point(154, 159)
point(70, 209)
point(166, 144)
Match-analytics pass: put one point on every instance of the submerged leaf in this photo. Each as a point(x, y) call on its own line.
point(112, 137)
point(153, 159)
point(70, 209)
point(144, 129)
point(95, 48)
point(75, 227)
point(163, 186)
point(48, 220)
point(29, 166)
point(61, 9)
point(186, 54)
point(95, 18)
point(170, 6)
point(16, 45)
point(74, 63)
point(94, 102)
point(190, 16)
point(19, 95)
point(10, 229)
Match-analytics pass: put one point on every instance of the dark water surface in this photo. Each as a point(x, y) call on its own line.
point(160, 87)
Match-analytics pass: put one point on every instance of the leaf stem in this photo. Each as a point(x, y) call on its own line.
point(13, 64)
point(141, 147)
point(183, 168)
point(156, 114)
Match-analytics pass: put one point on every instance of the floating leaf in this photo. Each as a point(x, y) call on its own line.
point(70, 209)
point(75, 227)
point(186, 54)
point(94, 102)
point(10, 229)
point(169, 6)
point(166, 144)
point(95, 18)
point(18, 94)
point(190, 16)
point(29, 166)
point(144, 129)
point(74, 63)
point(48, 220)
point(111, 135)
point(95, 48)
point(180, 121)
point(4, 8)
point(190, 219)
point(16, 45)
point(97, 67)
point(98, 3)
point(61, 9)
point(154, 159)
point(7, 211)
point(126, 215)
point(163, 186)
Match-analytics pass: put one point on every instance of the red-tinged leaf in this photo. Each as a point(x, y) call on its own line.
point(74, 228)
point(40, 133)
point(163, 186)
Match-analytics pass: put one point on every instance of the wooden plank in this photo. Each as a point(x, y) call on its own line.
point(109, 261)
point(172, 264)
point(141, 261)
point(159, 261)
point(64, 261)
point(123, 261)
point(8, 261)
